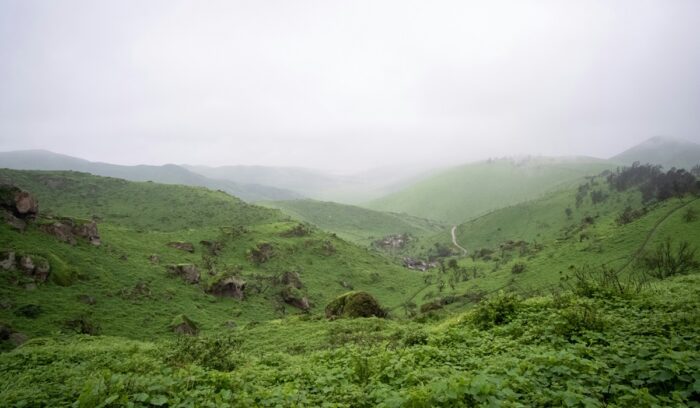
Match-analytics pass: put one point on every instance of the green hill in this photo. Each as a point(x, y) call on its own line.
point(578, 324)
point(130, 277)
point(168, 174)
point(665, 151)
point(467, 191)
point(354, 223)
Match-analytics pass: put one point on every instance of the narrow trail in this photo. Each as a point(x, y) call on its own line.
point(652, 232)
point(454, 241)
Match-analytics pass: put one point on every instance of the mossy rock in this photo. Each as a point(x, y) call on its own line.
point(182, 324)
point(61, 273)
point(354, 304)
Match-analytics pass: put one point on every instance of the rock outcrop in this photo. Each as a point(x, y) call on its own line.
point(182, 324)
point(213, 247)
point(17, 206)
point(294, 297)
point(182, 246)
point(229, 287)
point(418, 265)
point(70, 230)
point(354, 304)
point(33, 266)
point(188, 272)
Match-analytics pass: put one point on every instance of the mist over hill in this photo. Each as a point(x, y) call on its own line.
point(665, 151)
point(168, 174)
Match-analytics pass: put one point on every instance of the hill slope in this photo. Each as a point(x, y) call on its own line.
point(665, 151)
point(354, 223)
point(464, 192)
point(168, 174)
point(269, 265)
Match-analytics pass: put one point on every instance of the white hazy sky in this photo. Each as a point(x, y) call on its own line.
point(345, 84)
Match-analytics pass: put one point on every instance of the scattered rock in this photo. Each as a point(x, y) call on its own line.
point(123, 257)
point(70, 229)
point(19, 202)
point(188, 272)
point(230, 287)
point(34, 266)
point(261, 253)
point(347, 285)
point(182, 246)
point(393, 242)
point(418, 265)
point(182, 324)
point(154, 259)
point(354, 304)
point(213, 247)
point(7, 260)
point(291, 279)
point(293, 297)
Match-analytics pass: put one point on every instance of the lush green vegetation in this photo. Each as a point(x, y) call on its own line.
point(557, 350)
point(467, 191)
point(587, 296)
point(356, 224)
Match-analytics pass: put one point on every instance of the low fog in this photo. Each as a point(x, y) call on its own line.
point(345, 85)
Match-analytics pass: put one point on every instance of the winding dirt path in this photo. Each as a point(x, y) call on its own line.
point(454, 240)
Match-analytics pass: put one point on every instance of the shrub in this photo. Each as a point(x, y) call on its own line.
point(497, 310)
point(577, 318)
point(518, 268)
point(690, 215)
point(29, 311)
point(82, 325)
point(215, 352)
point(602, 281)
point(354, 304)
point(664, 261)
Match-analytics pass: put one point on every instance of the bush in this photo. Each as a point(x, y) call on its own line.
point(577, 318)
point(215, 352)
point(664, 261)
point(497, 310)
point(602, 281)
point(518, 268)
point(690, 215)
point(354, 304)
point(82, 325)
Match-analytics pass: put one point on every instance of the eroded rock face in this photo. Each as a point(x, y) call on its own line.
point(7, 260)
point(182, 324)
point(26, 204)
point(229, 287)
point(35, 267)
point(17, 206)
point(69, 230)
point(291, 279)
point(182, 246)
point(213, 247)
point(188, 272)
point(295, 298)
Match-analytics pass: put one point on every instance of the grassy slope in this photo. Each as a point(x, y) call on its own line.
point(467, 191)
point(138, 219)
point(543, 221)
point(353, 223)
point(548, 351)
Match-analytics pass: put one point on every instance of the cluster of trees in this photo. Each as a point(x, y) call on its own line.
point(653, 182)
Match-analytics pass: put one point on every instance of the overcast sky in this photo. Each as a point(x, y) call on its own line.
point(345, 84)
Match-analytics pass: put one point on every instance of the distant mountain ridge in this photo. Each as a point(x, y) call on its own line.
point(665, 151)
point(166, 174)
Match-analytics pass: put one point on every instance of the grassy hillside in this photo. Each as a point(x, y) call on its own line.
point(134, 296)
point(353, 223)
point(467, 191)
point(572, 349)
point(168, 174)
point(579, 323)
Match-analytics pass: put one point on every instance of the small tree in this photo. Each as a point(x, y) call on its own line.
point(664, 261)
point(569, 212)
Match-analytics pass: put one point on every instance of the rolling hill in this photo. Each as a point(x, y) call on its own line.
point(251, 263)
point(353, 223)
point(665, 151)
point(167, 174)
point(464, 192)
